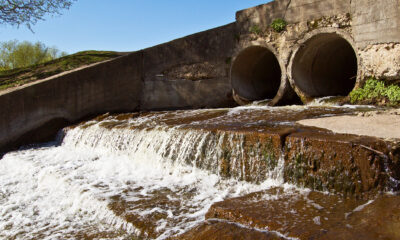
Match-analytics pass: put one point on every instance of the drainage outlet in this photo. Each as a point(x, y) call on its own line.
point(325, 65)
point(256, 74)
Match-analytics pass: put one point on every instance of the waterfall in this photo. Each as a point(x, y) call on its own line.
point(119, 179)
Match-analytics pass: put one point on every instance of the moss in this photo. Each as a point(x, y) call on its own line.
point(21, 76)
point(376, 92)
point(306, 171)
point(270, 158)
point(297, 171)
point(225, 164)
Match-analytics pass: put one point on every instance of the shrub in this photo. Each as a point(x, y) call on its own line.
point(374, 91)
point(278, 25)
point(393, 93)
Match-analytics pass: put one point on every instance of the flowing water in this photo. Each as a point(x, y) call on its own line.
point(149, 175)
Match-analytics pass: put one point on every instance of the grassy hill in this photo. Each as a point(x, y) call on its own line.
point(21, 76)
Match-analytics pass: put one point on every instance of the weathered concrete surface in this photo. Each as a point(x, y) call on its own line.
point(370, 27)
point(382, 60)
point(191, 72)
point(186, 94)
point(293, 11)
point(375, 22)
point(381, 124)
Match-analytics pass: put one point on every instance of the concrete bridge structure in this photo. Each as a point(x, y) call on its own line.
point(328, 47)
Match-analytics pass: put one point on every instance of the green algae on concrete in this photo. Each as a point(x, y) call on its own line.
point(247, 156)
point(343, 164)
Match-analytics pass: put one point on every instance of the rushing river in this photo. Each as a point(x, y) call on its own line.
point(133, 175)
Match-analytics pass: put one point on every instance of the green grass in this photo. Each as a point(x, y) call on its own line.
point(376, 92)
point(278, 25)
point(21, 76)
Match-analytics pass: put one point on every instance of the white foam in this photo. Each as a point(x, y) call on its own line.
point(317, 220)
point(266, 230)
point(361, 207)
point(358, 208)
point(56, 192)
point(46, 197)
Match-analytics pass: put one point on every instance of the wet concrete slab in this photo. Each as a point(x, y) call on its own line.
point(216, 230)
point(313, 215)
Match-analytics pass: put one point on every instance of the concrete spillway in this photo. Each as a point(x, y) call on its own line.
point(155, 175)
point(325, 65)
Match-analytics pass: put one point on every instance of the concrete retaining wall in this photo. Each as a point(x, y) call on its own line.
point(370, 27)
point(375, 22)
point(191, 72)
point(150, 79)
point(35, 112)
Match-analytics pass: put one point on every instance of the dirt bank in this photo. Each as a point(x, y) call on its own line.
point(381, 124)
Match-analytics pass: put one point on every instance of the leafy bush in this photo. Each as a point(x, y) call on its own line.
point(393, 93)
point(14, 54)
point(374, 91)
point(278, 25)
point(255, 29)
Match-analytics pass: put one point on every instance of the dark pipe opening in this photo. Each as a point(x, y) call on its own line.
point(256, 74)
point(326, 65)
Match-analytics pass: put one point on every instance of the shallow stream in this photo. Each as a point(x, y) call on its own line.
point(148, 175)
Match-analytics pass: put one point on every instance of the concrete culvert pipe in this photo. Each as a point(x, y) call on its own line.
point(255, 74)
point(325, 65)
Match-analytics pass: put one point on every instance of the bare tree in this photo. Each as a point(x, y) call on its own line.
point(29, 12)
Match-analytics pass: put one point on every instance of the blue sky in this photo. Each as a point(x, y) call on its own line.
point(127, 25)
